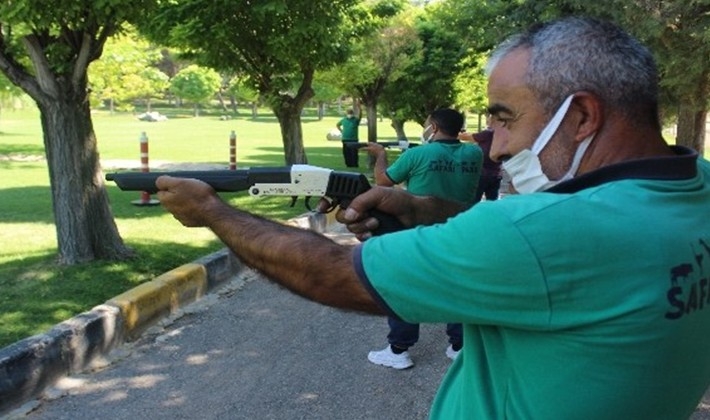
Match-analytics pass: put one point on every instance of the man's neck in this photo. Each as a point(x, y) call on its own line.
point(615, 146)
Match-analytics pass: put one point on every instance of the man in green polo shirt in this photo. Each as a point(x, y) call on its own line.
point(444, 167)
point(586, 296)
point(349, 128)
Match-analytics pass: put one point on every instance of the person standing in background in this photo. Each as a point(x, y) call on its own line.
point(348, 127)
point(491, 176)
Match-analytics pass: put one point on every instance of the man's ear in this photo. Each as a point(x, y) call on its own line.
point(590, 114)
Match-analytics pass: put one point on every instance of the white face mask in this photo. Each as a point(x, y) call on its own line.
point(428, 138)
point(524, 168)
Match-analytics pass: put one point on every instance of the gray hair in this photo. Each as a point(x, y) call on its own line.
point(585, 54)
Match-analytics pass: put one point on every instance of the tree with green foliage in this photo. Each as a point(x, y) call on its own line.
point(380, 57)
point(279, 44)
point(678, 33)
point(470, 87)
point(196, 84)
point(126, 72)
point(428, 82)
point(8, 92)
point(240, 89)
point(149, 83)
point(325, 92)
point(46, 47)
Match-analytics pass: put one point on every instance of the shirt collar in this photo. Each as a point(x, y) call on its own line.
point(447, 141)
point(680, 166)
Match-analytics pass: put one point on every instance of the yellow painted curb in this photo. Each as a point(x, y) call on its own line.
point(147, 302)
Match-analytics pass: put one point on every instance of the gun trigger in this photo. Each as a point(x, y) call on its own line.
point(333, 205)
point(293, 200)
point(307, 200)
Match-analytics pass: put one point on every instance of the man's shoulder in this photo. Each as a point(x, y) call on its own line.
point(474, 149)
point(485, 136)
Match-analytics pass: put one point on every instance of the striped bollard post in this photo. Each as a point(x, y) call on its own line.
point(145, 199)
point(232, 150)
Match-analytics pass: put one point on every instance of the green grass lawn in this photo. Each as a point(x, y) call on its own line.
point(37, 293)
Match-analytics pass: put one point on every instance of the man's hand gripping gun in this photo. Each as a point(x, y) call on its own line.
point(293, 181)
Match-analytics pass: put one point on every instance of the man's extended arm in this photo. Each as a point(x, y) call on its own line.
point(305, 262)
point(380, 170)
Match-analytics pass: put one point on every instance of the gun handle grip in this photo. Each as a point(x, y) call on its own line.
point(388, 223)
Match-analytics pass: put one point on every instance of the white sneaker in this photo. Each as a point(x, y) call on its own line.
point(451, 353)
point(387, 358)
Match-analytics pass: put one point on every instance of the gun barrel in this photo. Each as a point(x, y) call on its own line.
point(221, 180)
point(386, 144)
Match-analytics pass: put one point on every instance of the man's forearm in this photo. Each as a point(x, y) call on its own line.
point(294, 258)
point(429, 210)
point(380, 170)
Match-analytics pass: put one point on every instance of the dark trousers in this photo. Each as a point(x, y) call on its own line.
point(404, 335)
point(350, 154)
point(488, 185)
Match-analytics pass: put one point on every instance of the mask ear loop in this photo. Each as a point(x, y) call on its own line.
point(578, 155)
point(551, 126)
point(426, 139)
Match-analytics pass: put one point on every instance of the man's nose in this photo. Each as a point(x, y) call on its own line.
point(498, 151)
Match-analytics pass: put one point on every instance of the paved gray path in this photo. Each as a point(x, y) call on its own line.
point(257, 352)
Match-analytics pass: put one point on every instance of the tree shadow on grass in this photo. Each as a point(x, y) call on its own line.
point(37, 293)
point(20, 149)
point(26, 204)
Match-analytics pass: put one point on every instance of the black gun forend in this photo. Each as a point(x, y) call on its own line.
point(220, 180)
point(385, 144)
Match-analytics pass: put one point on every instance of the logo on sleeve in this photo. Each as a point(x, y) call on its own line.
point(688, 290)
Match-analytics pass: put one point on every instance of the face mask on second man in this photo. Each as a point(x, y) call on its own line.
point(424, 138)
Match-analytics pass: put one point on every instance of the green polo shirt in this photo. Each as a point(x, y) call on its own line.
point(445, 168)
point(588, 302)
point(350, 126)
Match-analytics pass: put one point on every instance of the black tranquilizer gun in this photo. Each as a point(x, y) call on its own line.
point(292, 181)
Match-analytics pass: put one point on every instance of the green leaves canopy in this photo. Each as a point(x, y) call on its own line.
point(271, 41)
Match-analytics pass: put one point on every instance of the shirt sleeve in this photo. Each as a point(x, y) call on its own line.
point(400, 170)
point(477, 268)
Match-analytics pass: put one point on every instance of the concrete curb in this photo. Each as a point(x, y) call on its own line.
point(31, 365)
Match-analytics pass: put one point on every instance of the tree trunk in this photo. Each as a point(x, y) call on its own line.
point(220, 98)
point(691, 127)
point(233, 104)
point(398, 126)
point(291, 133)
point(692, 116)
point(371, 112)
point(84, 223)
